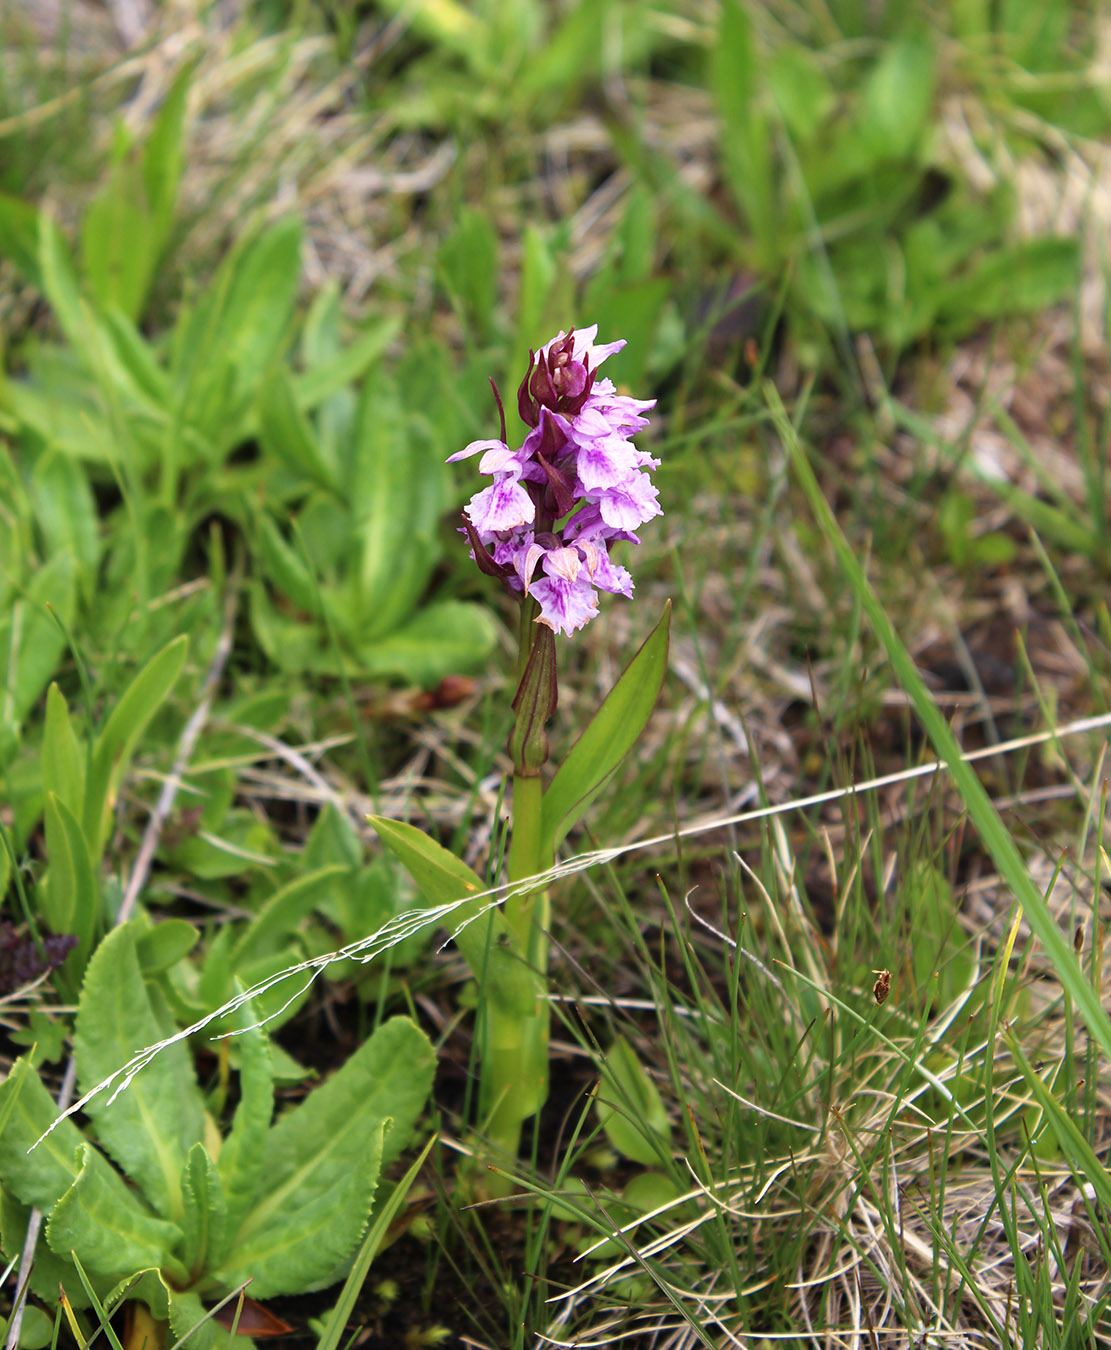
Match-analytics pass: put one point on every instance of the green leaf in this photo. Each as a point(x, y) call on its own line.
point(897, 98)
point(19, 237)
point(286, 433)
point(150, 1127)
point(66, 512)
point(801, 90)
point(746, 139)
point(1021, 279)
point(164, 157)
point(630, 1110)
point(205, 1215)
point(116, 743)
point(982, 812)
point(441, 639)
point(104, 1223)
point(281, 914)
point(384, 1215)
point(63, 763)
point(328, 377)
point(70, 898)
point(48, 1272)
point(285, 569)
point(31, 642)
point(164, 945)
point(322, 1161)
point(468, 260)
point(241, 1158)
point(609, 736)
point(27, 1110)
point(487, 942)
point(119, 245)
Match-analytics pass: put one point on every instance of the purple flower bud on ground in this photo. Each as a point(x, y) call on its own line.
point(576, 484)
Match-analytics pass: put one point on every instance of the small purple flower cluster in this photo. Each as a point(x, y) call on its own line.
point(576, 484)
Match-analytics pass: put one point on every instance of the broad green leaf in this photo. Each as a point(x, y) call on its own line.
point(66, 512)
point(165, 944)
point(63, 764)
point(441, 639)
point(630, 1110)
point(487, 942)
point(326, 378)
point(27, 1110)
point(27, 664)
point(119, 245)
point(116, 743)
point(286, 432)
point(106, 1225)
point(746, 139)
point(19, 237)
point(242, 1158)
point(801, 90)
point(146, 377)
point(468, 261)
point(609, 736)
point(1021, 279)
point(384, 492)
point(70, 898)
point(322, 1161)
point(150, 1128)
point(897, 97)
point(205, 1215)
point(278, 918)
point(190, 1318)
point(49, 1272)
point(285, 569)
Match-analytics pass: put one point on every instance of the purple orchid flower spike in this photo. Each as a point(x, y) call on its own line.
point(575, 485)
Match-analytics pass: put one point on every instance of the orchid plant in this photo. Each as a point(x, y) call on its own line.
point(544, 527)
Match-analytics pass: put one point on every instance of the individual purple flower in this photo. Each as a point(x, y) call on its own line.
point(576, 484)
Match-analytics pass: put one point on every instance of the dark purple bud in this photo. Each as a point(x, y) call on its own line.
point(486, 563)
point(501, 410)
point(561, 490)
point(527, 406)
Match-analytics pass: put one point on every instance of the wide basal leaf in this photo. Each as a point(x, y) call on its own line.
point(609, 736)
point(30, 654)
point(440, 639)
point(37, 1176)
point(49, 1273)
point(630, 1109)
point(106, 1225)
point(487, 942)
point(150, 1128)
point(321, 1164)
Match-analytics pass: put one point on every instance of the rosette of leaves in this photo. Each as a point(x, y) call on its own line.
point(349, 537)
point(165, 1210)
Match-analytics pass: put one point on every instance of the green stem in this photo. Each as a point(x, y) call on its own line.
point(514, 1068)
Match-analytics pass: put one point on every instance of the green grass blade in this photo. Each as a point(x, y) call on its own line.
point(982, 813)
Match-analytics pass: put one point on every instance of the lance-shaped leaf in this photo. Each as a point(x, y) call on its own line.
point(70, 899)
point(150, 1128)
point(206, 1210)
point(108, 1227)
point(487, 942)
point(609, 736)
point(242, 1156)
point(116, 743)
point(321, 1164)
